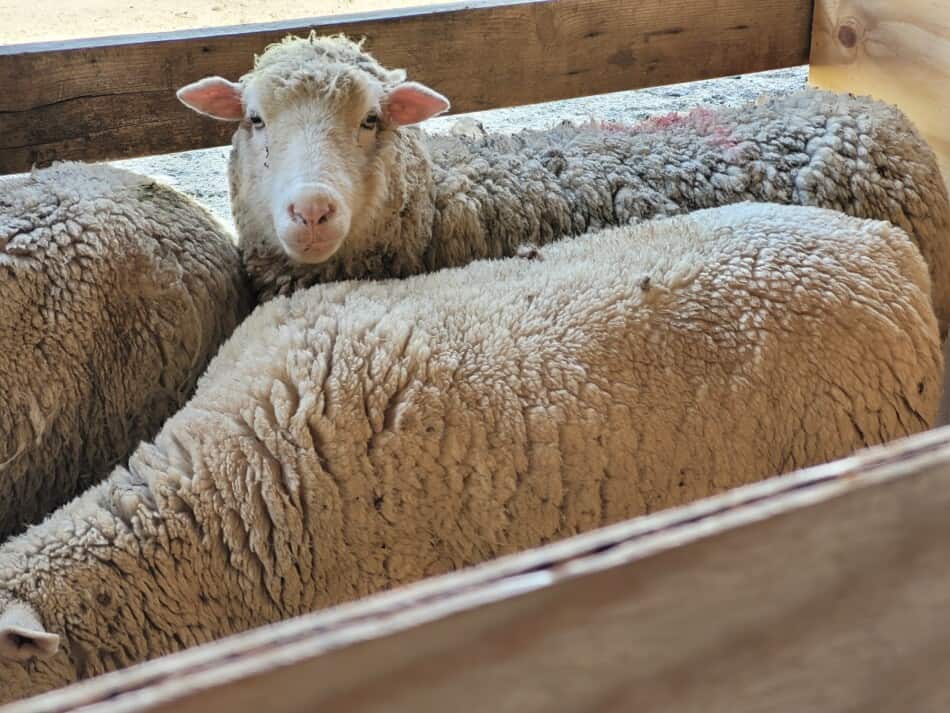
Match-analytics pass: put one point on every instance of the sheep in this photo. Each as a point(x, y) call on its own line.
point(361, 435)
point(115, 291)
point(331, 180)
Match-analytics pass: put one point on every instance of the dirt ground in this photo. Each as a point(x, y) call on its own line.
point(46, 20)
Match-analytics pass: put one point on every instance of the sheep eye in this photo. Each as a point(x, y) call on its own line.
point(371, 121)
point(256, 121)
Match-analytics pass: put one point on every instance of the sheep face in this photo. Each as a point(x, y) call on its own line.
point(31, 659)
point(317, 120)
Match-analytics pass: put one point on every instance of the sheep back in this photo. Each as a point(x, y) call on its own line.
point(853, 154)
point(437, 421)
point(357, 436)
point(115, 291)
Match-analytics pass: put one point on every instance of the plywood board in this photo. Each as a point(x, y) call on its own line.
point(825, 590)
point(114, 98)
point(895, 50)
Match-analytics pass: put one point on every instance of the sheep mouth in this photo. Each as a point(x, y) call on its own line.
point(313, 250)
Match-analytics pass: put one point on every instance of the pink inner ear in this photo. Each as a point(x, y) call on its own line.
point(214, 96)
point(410, 103)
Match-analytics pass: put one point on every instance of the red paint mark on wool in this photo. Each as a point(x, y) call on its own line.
point(722, 137)
point(700, 118)
point(664, 121)
point(703, 120)
point(612, 127)
point(654, 123)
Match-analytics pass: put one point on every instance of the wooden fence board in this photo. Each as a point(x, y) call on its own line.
point(114, 98)
point(823, 590)
point(896, 51)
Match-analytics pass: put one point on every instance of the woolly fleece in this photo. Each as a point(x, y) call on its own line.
point(115, 292)
point(451, 200)
point(358, 436)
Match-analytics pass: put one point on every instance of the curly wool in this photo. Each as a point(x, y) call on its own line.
point(115, 292)
point(358, 436)
point(452, 200)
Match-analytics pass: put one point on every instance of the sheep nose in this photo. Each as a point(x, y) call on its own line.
point(312, 211)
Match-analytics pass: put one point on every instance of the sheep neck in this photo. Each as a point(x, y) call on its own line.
point(451, 201)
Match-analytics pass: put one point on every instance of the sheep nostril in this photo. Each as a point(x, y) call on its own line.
point(328, 212)
point(310, 214)
point(294, 215)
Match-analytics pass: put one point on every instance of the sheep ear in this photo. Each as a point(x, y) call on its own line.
point(22, 636)
point(411, 102)
point(215, 97)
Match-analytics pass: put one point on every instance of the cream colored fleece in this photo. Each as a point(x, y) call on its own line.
point(357, 436)
point(115, 292)
point(451, 200)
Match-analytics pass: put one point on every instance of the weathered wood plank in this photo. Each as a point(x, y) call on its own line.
point(823, 590)
point(896, 51)
point(114, 98)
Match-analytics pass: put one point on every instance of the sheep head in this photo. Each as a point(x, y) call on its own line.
point(31, 658)
point(317, 122)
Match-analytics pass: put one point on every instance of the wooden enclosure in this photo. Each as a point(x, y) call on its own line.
point(115, 97)
point(895, 51)
point(823, 590)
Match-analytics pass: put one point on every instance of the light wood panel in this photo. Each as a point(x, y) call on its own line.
point(826, 590)
point(896, 50)
point(114, 98)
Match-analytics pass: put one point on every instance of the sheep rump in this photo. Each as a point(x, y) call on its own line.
point(115, 291)
point(357, 436)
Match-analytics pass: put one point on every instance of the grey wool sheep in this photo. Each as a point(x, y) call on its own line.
point(115, 292)
point(329, 179)
point(361, 435)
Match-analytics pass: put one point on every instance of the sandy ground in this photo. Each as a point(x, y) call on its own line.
point(46, 20)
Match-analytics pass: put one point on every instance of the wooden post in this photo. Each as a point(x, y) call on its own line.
point(895, 50)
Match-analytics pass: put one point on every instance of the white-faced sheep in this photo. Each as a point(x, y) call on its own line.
point(328, 182)
point(361, 435)
point(115, 292)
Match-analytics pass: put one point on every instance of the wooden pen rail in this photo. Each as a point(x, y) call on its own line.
point(115, 97)
point(823, 590)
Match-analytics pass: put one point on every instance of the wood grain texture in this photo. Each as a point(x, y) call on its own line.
point(826, 590)
point(896, 51)
point(114, 98)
